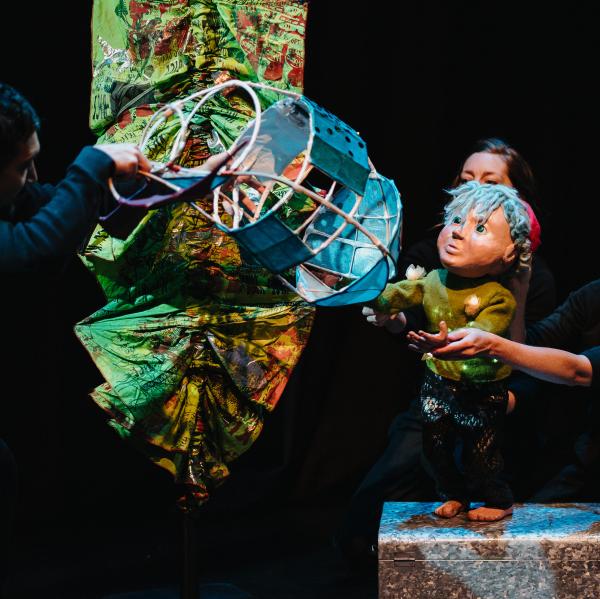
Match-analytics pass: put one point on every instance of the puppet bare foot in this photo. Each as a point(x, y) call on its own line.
point(489, 514)
point(450, 508)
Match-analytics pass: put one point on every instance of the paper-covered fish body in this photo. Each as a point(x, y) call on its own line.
point(362, 268)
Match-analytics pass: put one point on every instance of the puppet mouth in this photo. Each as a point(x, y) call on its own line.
point(452, 249)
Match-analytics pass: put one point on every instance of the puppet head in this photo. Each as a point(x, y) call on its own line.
point(486, 230)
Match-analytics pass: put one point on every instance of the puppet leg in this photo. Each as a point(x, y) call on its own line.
point(439, 441)
point(482, 457)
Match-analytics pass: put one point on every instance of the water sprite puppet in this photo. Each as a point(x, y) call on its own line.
point(486, 232)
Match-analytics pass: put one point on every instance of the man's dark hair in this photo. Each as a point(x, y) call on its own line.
point(18, 121)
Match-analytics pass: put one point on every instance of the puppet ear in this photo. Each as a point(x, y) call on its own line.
point(510, 254)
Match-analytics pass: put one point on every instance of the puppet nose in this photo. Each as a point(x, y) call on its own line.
point(457, 233)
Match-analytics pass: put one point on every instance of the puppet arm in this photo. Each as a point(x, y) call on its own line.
point(497, 315)
point(399, 296)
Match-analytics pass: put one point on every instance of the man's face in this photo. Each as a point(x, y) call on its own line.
point(19, 170)
point(474, 249)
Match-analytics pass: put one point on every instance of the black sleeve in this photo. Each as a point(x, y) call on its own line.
point(593, 355)
point(541, 296)
point(573, 324)
point(523, 385)
point(59, 226)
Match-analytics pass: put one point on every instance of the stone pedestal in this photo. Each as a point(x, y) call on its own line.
point(542, 551)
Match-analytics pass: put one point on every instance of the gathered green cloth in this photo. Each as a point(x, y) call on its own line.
point(195, 344)
point(460, 302)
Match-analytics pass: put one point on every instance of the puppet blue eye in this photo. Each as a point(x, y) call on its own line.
point(480, 228)
point(456, 220)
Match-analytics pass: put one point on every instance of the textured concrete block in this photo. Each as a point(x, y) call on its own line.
point(542, 551)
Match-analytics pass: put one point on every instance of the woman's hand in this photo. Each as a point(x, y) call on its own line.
point(457, 345)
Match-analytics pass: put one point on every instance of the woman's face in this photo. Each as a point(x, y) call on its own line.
point(485, 168)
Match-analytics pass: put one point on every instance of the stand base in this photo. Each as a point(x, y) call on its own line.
point(216, 590)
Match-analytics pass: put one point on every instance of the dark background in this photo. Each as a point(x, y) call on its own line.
point(420, 82)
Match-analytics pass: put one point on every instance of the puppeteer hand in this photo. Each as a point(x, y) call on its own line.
point(394, 323)
point(424, 343)
point(128, 158)
point(463, 344)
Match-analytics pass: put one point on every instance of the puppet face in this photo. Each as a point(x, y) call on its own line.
point(484, 167)
point(19, 170)
point(475, 249)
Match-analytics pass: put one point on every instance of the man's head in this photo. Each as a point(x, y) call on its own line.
point(19, 144)
point(486, 229)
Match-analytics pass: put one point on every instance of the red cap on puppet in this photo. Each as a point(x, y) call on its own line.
point(535, 232)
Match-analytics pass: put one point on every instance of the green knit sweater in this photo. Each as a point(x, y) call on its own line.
point(461, 302)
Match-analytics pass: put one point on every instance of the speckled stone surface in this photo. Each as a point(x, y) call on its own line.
point(542, 551)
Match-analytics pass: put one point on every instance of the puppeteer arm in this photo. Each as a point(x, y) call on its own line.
point(62, 223)
point(548, 364)
point(59, 226)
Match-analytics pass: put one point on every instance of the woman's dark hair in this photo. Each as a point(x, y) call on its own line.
point(18, 121)
point(519, 171)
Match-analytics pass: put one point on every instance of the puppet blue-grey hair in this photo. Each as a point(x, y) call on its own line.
point(483, 199)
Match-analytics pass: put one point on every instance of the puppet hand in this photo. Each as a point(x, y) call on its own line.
point(465, 343)
point(423, 342)
point(128, 158)
point(394, 323)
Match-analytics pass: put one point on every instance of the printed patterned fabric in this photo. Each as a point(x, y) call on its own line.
point(195, 344)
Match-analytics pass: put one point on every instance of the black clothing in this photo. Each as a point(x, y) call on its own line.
point(49, 223)
point(8, 498)
point(37, 232)
point(574, 325)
